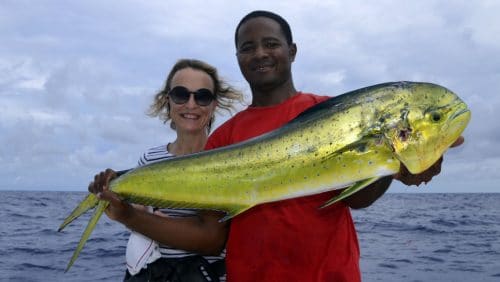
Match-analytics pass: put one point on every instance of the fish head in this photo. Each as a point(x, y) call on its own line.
point(430, 120)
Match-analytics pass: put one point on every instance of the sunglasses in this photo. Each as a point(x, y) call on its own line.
point(180, 95)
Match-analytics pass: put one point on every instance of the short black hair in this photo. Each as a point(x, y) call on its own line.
point(285, 27)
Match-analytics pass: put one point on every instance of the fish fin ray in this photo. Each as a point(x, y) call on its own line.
point(349, 191)
point(234, 212)
point(361, 146)
point(101, 206)
point(86, 204)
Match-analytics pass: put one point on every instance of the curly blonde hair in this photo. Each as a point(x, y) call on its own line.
point(224, 93)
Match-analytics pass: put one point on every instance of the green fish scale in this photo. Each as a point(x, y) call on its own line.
point(350, 140)
point(267, 170)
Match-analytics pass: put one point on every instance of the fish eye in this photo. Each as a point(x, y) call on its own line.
point(435, 116)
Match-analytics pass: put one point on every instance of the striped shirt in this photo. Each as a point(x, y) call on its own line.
point(158, 154)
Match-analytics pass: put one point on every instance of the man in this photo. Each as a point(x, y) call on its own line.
point(290, 240)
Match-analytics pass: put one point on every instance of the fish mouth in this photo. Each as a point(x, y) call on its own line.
point(459, 113)
point(458, 120)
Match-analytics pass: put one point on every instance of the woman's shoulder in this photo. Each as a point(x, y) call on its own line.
point(154, 154)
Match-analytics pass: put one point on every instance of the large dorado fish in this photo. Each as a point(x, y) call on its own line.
point(348, 141)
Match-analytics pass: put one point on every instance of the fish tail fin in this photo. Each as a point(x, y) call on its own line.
point(101, 206)
point(88, 203)
point(349, 191)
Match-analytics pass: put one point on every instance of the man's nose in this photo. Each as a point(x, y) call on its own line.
point(260, 52)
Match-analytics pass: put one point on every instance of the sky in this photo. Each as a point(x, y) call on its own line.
point(77, 77)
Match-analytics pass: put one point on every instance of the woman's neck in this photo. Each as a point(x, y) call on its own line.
point(188, 144)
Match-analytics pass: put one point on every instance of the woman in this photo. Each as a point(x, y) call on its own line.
point(192, 93)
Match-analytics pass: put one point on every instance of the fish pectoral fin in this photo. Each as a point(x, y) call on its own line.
point(350, 190)
point(358, 146)
point(234, 212)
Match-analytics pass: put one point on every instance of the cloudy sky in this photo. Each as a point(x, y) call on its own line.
point(76, 77)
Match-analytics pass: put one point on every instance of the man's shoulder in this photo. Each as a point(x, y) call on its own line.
point(221, 136)
point(230, 123)
point(313, 97)
point(303, 101)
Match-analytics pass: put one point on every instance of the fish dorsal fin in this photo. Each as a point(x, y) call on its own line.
point(344, 100)
point(349, 191)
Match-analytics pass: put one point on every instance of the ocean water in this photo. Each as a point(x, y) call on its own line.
point(430, 237)
point(403, 237)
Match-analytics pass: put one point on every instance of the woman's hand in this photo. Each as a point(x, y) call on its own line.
point(117, 210)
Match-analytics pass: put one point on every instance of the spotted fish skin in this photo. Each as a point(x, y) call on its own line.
point(347, 141)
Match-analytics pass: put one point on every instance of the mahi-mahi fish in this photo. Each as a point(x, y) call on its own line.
point(348, 141)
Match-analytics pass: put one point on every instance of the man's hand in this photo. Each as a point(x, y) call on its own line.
point(416, 179)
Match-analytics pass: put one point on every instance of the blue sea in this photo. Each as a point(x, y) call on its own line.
point(403, 237)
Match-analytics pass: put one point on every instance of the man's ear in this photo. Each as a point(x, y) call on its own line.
point(292, 51)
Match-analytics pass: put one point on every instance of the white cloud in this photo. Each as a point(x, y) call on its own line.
point(483, 23)
point(333, 78)
point(77, 77)
point(20, 73)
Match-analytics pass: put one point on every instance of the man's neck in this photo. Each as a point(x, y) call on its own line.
point(274, 96)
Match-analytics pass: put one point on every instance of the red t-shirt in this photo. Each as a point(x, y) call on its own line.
point(290, 240)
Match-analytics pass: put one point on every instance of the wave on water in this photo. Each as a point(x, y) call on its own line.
point(403, 237)
point(430, 237)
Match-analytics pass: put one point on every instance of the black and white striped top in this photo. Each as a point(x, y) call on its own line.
point(154, 155)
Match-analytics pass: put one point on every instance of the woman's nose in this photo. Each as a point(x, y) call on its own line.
point(191, 102)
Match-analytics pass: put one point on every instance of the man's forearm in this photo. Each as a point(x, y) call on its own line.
point(370, 194)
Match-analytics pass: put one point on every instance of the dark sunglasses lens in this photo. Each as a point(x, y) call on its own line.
point(203, 97)
point(179, 94)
